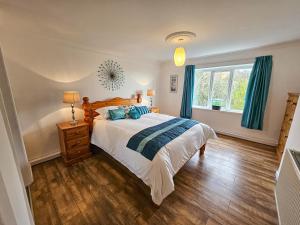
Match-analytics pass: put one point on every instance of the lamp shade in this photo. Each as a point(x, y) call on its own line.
point(71, 97)
point(179, 56)
point(150, 92)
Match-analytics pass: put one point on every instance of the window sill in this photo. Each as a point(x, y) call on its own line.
point(222, 110)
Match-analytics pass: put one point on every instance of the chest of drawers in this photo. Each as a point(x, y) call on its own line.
point(74, 141)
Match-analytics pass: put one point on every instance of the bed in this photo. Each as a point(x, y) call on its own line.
point(113, 137)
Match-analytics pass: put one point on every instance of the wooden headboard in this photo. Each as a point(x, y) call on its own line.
point(89, 108)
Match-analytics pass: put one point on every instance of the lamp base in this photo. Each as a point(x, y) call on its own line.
point(74, 122)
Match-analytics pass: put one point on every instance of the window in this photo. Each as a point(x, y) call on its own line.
point(222, 86)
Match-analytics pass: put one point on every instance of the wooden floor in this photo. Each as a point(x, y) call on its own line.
point(232, 184)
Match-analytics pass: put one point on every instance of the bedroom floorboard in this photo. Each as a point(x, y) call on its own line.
point(233, 183)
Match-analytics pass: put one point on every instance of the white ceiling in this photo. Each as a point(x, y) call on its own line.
point(138, 27)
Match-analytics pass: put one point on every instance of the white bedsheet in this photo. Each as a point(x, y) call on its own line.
point(113, 136)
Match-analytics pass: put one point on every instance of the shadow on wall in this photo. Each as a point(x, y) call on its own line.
point(35, 95)
point(44, 132)
point(39, 104)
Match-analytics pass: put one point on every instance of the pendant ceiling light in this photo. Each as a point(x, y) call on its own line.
point(180, 38)
point(179, 56)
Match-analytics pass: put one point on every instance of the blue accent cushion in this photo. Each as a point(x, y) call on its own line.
point(142, 109)
point(117, 114)
point(134, 114)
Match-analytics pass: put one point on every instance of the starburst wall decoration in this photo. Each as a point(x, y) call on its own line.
point(111, 75)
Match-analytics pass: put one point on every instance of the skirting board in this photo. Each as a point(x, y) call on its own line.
point(44, 158)
point(248, 138)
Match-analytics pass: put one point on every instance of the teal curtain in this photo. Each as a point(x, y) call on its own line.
point(188, 92)
point(257, 93)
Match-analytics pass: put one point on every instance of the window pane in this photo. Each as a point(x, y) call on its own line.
point(201, 88)
point(239, 88)
point(220, 87)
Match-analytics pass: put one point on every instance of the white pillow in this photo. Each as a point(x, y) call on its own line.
point(139, 105)
point(103, 112)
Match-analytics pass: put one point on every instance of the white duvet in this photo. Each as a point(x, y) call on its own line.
point(113, 136)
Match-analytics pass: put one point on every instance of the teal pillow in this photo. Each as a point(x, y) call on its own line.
point(134, 114)
point(142, 109)
point(117, 114)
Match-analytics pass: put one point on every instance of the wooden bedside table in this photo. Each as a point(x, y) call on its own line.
point(74, 141)
point(154, 109)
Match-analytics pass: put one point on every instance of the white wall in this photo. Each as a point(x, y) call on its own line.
point(14, 168)
point(12, 124)
point(14, 207)
point(40, 69)
point(285, 78)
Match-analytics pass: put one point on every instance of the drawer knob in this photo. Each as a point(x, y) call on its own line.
point(77, 132)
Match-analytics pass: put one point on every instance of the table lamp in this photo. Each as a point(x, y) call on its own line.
point(150, 93)
point(72, 97)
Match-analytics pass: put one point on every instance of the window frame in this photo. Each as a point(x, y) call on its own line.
point(229, 69)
